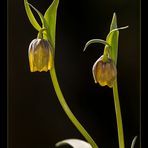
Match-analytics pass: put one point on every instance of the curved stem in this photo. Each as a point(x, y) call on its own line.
point(118, 116)
point(67, 109)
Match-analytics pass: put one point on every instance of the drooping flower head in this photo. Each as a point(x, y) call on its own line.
point(40, 58)
point(104, 71)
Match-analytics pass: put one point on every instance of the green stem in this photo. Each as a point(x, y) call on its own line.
point(67, 109)
point(118, 116)
point(40, 33)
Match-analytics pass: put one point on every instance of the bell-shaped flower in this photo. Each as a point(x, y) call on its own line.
point(104, 72)
point(40, 55)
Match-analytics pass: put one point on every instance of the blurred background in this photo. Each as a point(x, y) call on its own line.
point(35, 117)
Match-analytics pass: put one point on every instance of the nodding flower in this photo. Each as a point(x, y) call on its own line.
point(104, 71)
point(40, 55)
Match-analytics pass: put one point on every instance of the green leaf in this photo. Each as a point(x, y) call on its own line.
point(75, 143)
point(112, 39)
point(44, 23)
point(31, 16)
point(50, 17)
point(114, 22)
point(117, 29)
point(95, 41)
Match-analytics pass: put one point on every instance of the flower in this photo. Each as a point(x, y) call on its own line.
point(39, 53)
point(104, 71)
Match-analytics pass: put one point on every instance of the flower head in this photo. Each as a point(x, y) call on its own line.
point(104, 72)
point(40, 58)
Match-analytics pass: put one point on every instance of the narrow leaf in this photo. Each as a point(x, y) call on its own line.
point(75, 143)
point(50, 17)
point(112, 39)
point(133, 142)
point(31, 17)
point(41, 16)
point(113, 30)
point(95, 41)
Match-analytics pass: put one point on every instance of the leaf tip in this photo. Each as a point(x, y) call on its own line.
point(58, 144)
point(114, 15)
point(133, 142)
point(84, 48)
point(114, 22)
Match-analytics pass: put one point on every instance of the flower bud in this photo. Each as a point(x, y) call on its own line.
point(104, 72)
point(40, 58)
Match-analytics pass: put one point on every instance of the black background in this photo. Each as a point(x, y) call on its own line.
point(35, 117)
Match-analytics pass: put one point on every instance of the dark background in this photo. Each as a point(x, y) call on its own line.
point(35, 117)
